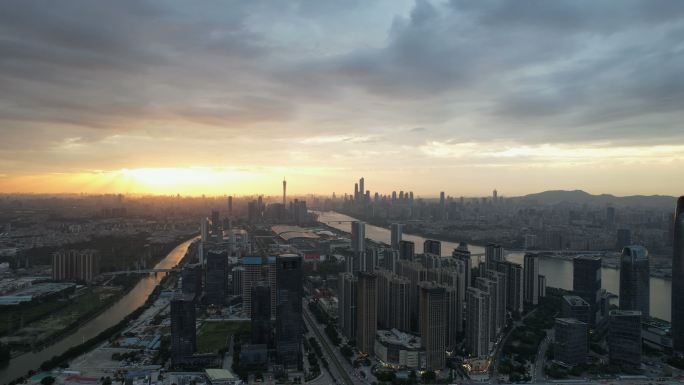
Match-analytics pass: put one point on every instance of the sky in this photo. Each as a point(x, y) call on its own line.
point(229, 97)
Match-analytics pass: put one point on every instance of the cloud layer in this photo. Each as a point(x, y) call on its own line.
point(364, 87)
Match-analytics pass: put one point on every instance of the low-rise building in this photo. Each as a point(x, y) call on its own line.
point(398, 349)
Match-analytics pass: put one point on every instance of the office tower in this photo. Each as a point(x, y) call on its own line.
point(191, 280)
point(183, 333)
point(394, 196)
point(257, 269)
point(624, 238)
point(635, 280)
point(238, 280)
point(284, 193)
point(407, 250)
point(289, 311)
point(493, 253)
point(75, 265)
point(362, 188)
point(395, 237)
point(431, 246)
point(624, 338)
point(358, 238)
point(542, 286)
point(573, 306)
point(366, 311)
point(204, 229)
point(433, 316)
point(215, 288)
point(586, 282)
point(571, 341)
point(494, 196)
point(347, 297)
point(461, 253)
point(230, 206)
point(531, 279)
point(442, 201)
point(477, 322)
point(501, 292)
point(514, 284)
point(261, 313)
point(356, 192)
point(678, 277)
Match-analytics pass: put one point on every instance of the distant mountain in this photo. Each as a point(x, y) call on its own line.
point(582, 197)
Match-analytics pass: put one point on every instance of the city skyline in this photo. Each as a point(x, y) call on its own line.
point(174, 98)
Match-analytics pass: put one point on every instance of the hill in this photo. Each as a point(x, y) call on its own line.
point(579, 197)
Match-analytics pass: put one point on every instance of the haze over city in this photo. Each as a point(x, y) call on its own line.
point(229, 97)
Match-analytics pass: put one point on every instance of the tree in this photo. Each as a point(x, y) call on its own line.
point(429, 376)
point(49, 380)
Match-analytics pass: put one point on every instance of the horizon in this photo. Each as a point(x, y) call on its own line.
point(174, 98)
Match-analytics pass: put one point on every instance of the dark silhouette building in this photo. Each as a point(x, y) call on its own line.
point(635, 280)
point(624, 238)
point(678, 278)
point(183, 330)
point(586, 282)
point(575, 307)
point(407, 250)
point(366, 311)
point(624, 338)
point(261, 313)
point(289, 311)
point(572, 341)
point(191, 280)
point(215, 288)
point(430, 246)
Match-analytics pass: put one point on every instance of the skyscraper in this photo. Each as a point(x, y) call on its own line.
point(531, 280)
point(635, 280)
point(204, 229)
point(678, 277)
point(366, 311)
point(431, 246)
point(624, 338)
point(586, 282)
point(395, 235)
point(493, 253)
point(358, 246)
point(477, 322)
point(346, 307)
point(571, 341)
point(362, 189)
point(284, 193)
point(183, 332)
point(261, 313)
point(433, 316)
point(514, 284)
point(215, 288)
point(289, 311)
point(463, 254)
point(191, 280)
point(407, 250)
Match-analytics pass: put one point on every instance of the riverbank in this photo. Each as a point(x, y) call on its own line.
point(110, 317)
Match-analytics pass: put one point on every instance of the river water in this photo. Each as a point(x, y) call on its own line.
point(558, 272)
point(135, 298)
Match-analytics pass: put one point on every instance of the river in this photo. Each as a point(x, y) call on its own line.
point(558, 272)
point(135, 298)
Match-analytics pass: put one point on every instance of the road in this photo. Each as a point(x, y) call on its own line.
point(311, 324)
point(538, 373)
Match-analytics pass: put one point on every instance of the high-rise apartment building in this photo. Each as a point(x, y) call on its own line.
point(463, 254)
point(678, 277)
point(433, 317)
point(347, 297)
point(366, 311)
point(635, 280)
point(514, 285)
point(531, 280)
point(358, 246)
point(477, 322)
point(493, 253)
point(75, 265)
point(407, 250)
point(431, 246)
point(395, 235)
point(289, 294)
point(586, 282)
point(490, 287)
